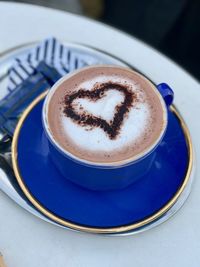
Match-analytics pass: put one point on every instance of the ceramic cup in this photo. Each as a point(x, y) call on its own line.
point(97, 176)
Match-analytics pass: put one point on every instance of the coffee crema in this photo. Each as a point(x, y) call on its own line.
point(106, 114)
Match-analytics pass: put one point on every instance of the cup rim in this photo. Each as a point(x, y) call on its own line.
point(105, 164)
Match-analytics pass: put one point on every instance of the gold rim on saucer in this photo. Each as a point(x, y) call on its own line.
point(74, 226)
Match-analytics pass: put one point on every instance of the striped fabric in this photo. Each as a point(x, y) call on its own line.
point(54, 54)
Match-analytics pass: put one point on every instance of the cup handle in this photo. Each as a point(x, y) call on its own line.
point(166, 92)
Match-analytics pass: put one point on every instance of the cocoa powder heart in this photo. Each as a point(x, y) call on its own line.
point(111, 128)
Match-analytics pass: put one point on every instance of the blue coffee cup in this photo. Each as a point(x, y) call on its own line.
point(104, 176)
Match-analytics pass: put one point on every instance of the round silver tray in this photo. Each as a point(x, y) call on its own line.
point(8, 183)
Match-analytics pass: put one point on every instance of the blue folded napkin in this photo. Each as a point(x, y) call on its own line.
point(33, 73)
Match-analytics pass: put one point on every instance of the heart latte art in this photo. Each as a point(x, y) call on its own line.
point(86, 118)
point(105, 114)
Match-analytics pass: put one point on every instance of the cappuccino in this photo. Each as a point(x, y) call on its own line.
point(106, 114)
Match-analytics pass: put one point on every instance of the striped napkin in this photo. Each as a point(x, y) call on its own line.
point(34, 72)
point(51, 52)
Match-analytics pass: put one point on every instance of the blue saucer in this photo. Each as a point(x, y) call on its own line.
point(100, 212)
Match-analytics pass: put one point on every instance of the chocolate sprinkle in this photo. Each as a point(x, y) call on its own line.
point(85, 119)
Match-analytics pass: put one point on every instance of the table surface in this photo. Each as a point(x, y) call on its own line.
point(25, 240)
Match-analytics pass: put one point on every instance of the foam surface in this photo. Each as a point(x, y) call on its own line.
point(104, 107)
point(135, 124)
point(140, 126)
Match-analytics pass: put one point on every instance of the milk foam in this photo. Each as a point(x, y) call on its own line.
point(104, 107)
point(133, 126)
point(88, 84)
point(97, 140)
point(139, 128)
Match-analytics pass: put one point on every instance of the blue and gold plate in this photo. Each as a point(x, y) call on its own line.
point(100, 212)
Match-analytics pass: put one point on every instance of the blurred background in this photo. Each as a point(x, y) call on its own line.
point(171, 26)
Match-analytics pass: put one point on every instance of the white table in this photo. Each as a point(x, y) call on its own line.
point(27, 241)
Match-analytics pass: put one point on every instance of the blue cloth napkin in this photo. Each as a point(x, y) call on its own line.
point(35, 72)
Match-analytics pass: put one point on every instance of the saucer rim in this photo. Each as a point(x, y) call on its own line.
point(98, 230)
